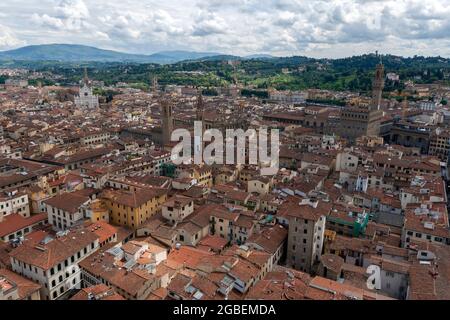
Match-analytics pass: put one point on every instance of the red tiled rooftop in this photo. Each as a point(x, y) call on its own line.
point(14, 222)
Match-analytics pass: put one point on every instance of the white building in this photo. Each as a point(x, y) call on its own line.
point(86, 98)
point(288, 96)
point(95, 138)
point(393, 276)
point(346, 161)
point(160, 158)
point(177, 209)
point(393, 76)
point(260, 185)
point(14, 202)
point(67, 210)
point(426, 105)
point(16, 83)
point(53, 263)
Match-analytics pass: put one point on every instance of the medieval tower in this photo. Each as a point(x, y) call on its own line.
point(167, 121)
point(377, 87)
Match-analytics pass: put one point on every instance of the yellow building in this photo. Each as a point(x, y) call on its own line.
point(133, 208)
point(440, 145)
point(203, 174)
point(37, 196)
point(98, 211)
point(247, 173)
point(369, 141)
point(359, 101)
point(221, 221)
point(224, 174)
point(329, 235)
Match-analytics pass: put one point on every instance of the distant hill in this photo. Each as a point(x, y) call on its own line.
point(221, 57)
point(185, 55)
point(80, 53)
point(353, 73)
point(259, 56)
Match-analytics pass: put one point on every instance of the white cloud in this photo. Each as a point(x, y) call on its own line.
point(8, 39)
point(46, 20)
point(68, 15)
point(315, 27)
point(72, 9)
point(209, 23)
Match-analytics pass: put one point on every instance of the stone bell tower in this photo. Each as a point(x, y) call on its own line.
point(199, 144)
point(377, 87)
point(167, 121)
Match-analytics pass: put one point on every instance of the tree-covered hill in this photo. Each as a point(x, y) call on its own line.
point(294, 73)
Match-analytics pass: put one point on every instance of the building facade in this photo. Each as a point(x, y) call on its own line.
point(361, 120)
point(53, 263)
point(306, 234)
point(86, 97)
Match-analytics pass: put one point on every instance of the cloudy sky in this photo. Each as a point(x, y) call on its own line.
point(329, 28)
